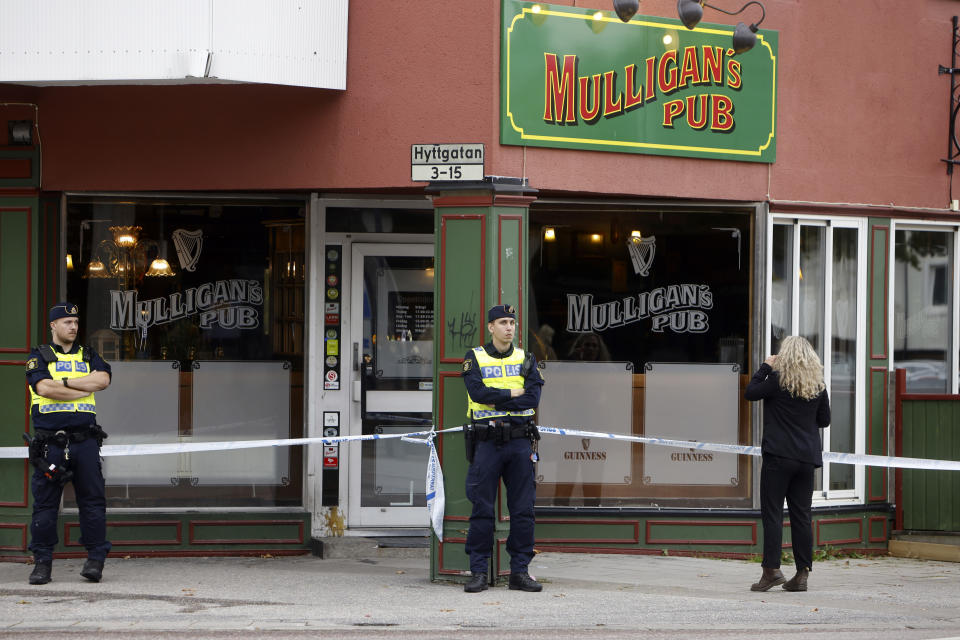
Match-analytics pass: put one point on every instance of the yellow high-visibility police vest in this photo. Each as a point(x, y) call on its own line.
point(497, 373)
point(67, 365)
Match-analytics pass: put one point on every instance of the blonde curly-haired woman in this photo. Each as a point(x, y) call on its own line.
point(795, 408)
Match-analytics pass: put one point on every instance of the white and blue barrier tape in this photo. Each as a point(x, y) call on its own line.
point(828, 456)
point(434, 479)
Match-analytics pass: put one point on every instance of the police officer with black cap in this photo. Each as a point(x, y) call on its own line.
point(504, 387)
point(63, 377)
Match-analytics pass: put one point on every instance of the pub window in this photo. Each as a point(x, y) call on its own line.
point(199, 309)
point(630, 300)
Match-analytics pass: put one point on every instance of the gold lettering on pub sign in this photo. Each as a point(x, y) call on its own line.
point(570, 98)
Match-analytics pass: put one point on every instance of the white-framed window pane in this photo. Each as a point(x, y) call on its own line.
point(781, 285)
point(921, 308)
point(843, 354)
point(812, 285)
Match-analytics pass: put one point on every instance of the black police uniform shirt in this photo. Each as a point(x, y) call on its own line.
point(791, 425)
point(70, 420)
point(500, 399)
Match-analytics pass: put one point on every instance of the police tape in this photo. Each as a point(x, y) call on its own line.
point(434, 486)
point(427, 438)
point(145, 449)
point(895, 462)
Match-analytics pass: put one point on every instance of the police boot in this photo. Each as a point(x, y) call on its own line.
point(478, 582)
point(523, 582)
point(797, 582)
point(41, 573)
point(92, 570)
point(770, 578)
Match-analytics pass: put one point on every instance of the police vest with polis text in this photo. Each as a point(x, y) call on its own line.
point(64, 365)
point(498, 373)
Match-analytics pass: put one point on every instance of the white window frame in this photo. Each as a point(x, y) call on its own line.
point(825, 495)
point(928, 225)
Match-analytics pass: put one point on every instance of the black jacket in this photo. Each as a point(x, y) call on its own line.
point(791, 426)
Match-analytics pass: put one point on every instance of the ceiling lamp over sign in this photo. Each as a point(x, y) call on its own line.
point(626, 9)
point(744, 37)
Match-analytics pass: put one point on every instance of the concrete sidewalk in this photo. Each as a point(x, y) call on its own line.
point(616, 596)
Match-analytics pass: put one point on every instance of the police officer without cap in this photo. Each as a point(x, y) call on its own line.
point(504, 387)
point(63, 377)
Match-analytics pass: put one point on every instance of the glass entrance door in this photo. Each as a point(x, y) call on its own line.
point(391, 320)
point(815, 292)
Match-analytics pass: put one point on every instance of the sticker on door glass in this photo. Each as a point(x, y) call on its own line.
point(333, 347)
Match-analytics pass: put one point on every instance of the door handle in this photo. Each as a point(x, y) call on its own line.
point(356, 356)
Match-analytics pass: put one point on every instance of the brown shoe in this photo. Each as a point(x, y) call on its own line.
point(770, 578)
point(797, 582)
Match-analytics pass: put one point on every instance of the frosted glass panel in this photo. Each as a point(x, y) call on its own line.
point(397, 469)
point(697, 402)
point(141, 406)
point(237, 400)
point(603, 402)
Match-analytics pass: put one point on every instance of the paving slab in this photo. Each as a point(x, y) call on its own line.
point(585, 595)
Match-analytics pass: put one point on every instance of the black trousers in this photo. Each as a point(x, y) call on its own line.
point(91, 499)
point(791, 479)
point(510, 461)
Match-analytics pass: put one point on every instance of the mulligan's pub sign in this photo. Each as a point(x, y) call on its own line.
point(582, 79)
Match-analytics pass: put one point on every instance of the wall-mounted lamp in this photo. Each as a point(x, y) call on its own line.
point(20, 132)
point(69, 262)
point(596, 238)
point(626, 9)
point(744, 38)
point(549, 234)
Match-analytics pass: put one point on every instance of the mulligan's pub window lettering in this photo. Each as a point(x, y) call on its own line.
point(199, 308)
point(640, 286)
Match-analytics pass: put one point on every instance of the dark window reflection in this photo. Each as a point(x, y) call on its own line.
point(188, 282)
point(640, 286)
